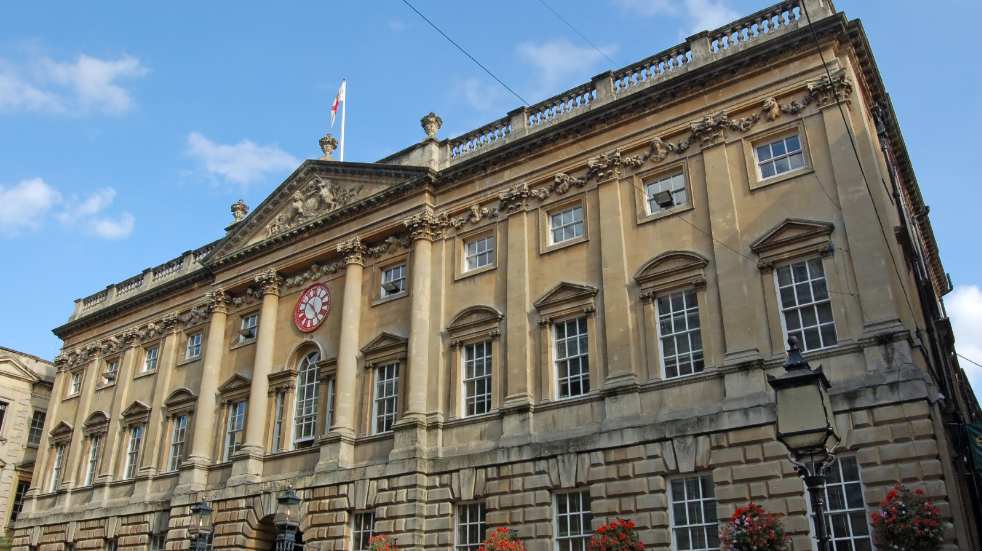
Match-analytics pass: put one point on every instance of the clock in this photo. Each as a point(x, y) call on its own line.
point(312, 308)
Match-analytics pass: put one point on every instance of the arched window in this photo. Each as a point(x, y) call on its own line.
point(305, 418)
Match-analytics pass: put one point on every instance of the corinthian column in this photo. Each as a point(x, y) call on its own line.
point(249, 468)
point(423, 228)
point(200, 455)
point(338, 445)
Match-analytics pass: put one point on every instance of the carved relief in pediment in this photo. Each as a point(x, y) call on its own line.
point(317, 197)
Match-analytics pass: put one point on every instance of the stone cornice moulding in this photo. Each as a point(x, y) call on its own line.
point(671, 270)
point(96, 423)
point(793, 238)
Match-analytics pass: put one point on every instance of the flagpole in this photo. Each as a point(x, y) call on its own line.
point(344, 108)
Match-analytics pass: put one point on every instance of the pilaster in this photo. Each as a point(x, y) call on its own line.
point(157, 421)
point(517, 403)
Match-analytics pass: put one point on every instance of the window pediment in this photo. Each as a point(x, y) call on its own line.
point(475, 321)
point(137, 412)
point(383, 348)
point(181, 400)
point(61, 433)
point(792, 238)
point(235, 387)
point(566, 299)
point(96, 423)
point(671, 269)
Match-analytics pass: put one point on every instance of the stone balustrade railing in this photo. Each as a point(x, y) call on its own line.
point(700, 49)
point(149, 278)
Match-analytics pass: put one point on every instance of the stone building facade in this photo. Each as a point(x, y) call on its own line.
point(563, 317)
point(25, 388)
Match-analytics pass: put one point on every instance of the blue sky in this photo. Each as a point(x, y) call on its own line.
point(128, 129)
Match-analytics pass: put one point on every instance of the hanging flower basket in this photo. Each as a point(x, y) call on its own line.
point(618, 535)
point(380, 543)
point(502, 539)
point(751, 528)
point(907, 521)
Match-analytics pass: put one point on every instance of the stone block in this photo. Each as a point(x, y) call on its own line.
point(931, 468)
point(773, 450)
point(761, 433)
point(753, 453)
point(786, 486)
point(649, 466)
point(888, 414)
point(770, 469)
point(758, 490)
point(726, 456)
point(916, 410)
point(651, 501)
point(732, 492)
point(623, 487)
point(871, 436)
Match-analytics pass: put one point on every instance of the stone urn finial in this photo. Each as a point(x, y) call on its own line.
point(328, 144)
point(431, 124)
point(239, 210)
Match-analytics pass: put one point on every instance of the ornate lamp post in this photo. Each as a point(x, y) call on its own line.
point(806, 426)
point(200, 528)
point(287, 521)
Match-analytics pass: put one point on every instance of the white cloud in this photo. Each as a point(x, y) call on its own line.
point(112, 228)
point(87, 84)
point(706, 15)
point(478, 94)
point(29, 203)
point(25, 205)
point(700, 15)
point(243, 163)
point(964, 307)
point(558, 61)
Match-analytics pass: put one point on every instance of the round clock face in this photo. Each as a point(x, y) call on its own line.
point(312, 309)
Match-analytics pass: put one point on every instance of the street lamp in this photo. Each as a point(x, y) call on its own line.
point(200, 528)
point(806, 426)
point(287, 521)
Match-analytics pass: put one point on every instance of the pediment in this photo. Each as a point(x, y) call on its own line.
point(474, 316)
point(671, 265)
point(236, 382)
point(10, 367)
point(790, 233)
point(136, 409)
point(384, 343)
point(179, 397)
point(96, 421)
point(316, 193)
point(61, 429)
point(565, 293)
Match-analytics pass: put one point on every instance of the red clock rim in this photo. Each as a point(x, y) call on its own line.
point(297, 313)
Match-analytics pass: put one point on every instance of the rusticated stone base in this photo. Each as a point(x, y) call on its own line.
point(891, 443)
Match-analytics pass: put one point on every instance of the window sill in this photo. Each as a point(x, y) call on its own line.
point(390, 298)
point(71, 396)
point(375, 437)
point(759, 183)
point(104, 386)
point(475, 271)
point(242, 344)
point(187, 361)
point(144, 374)
point(665, 213)
point(562, 245)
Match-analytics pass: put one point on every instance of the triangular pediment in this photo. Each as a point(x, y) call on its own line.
point(10, 367)
point(472, 316)
point(317, 193)
point(136, 409)
point(565, 292)
point(384, 342)
point(237, 381)
point(790, 233)
point(670, 264)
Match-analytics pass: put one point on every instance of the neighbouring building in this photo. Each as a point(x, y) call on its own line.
point(565, 316)
point(25, 387)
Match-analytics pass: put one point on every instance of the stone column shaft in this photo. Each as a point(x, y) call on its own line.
point(156, 425)
point(518, 378)
point(259, 387)
point(345, 391)
point(419, 327)
point(204, 412)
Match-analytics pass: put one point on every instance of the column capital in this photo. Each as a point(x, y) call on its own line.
point(217, 300)
point(269, 282)
point(425, 224)
point(353, 251)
